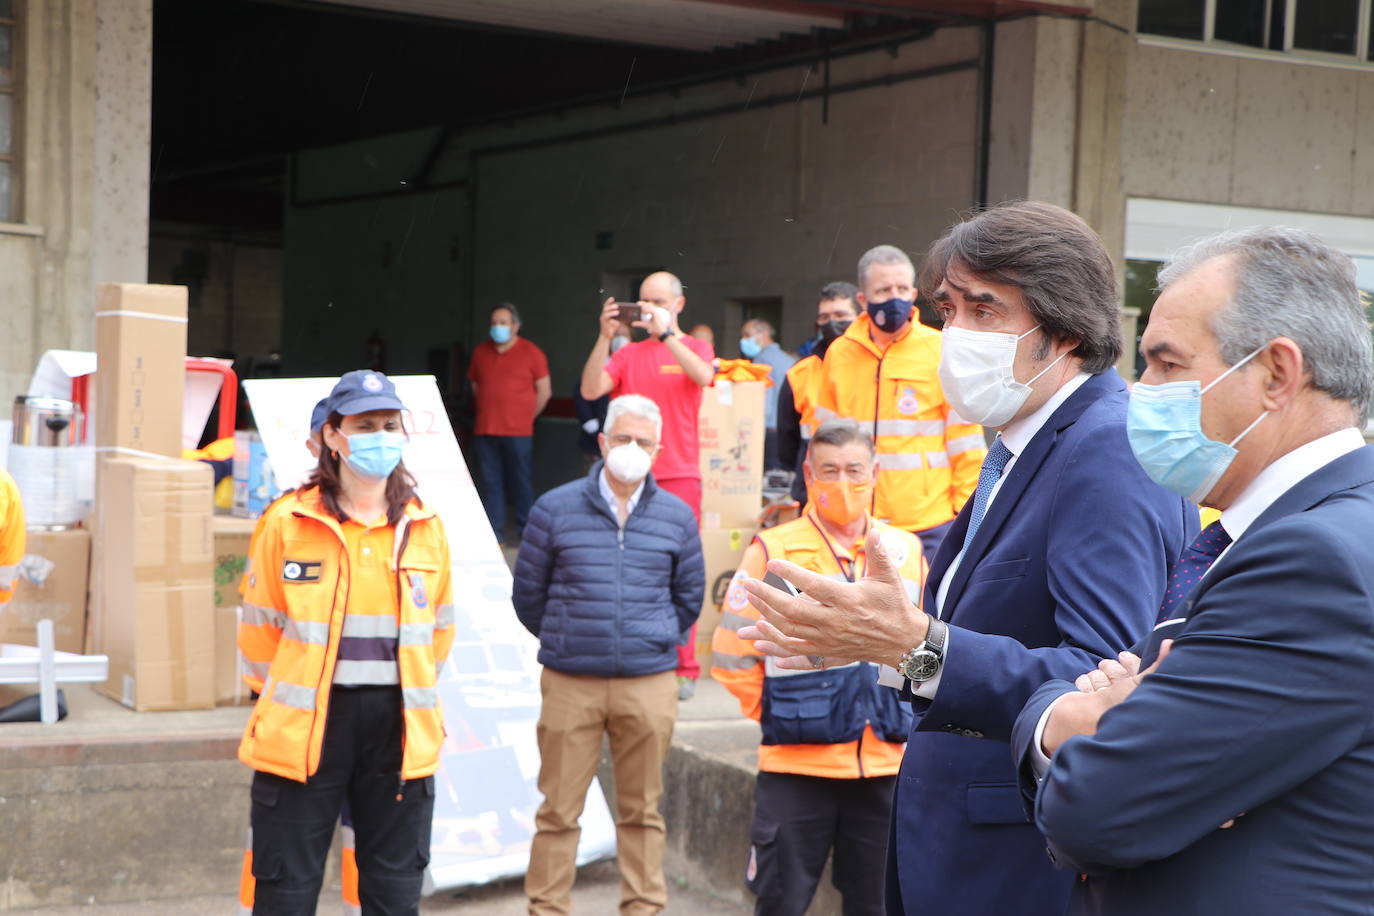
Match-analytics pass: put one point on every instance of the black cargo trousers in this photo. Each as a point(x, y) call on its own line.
point(293, 822)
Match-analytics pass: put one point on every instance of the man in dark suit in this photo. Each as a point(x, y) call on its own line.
point(1059, 559)
point(1236, 775)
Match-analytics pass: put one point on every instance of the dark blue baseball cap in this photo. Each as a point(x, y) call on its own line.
point(319, 416)
point(362, 390)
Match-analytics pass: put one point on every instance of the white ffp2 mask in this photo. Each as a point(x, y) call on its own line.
point(976, 373)
point(628, 463)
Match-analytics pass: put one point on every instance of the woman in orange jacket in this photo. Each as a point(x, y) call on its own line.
point(347, 619)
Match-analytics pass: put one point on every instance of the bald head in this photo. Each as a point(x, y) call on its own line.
point(664, 289)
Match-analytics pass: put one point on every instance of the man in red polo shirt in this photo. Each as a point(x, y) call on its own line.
point(670, 369)
point(510, 380)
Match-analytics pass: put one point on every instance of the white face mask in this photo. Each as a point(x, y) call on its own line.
point(628, 463)
point(976, 372)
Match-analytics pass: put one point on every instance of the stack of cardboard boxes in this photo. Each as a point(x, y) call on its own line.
point(151, 609)
point(731, 434)
point(52, 586)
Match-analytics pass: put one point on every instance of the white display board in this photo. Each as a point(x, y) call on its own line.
point(485, 791)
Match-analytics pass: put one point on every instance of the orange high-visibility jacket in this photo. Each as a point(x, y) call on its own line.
point(742, 668)
point(928, 456)
point(294, 593)
point(11, 536)
point(804, 378)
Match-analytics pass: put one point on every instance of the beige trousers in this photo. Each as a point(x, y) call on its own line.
point(638, 713)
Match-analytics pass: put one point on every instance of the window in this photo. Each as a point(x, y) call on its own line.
point(9, 113)
point(1175, 18)
point(1342, 28)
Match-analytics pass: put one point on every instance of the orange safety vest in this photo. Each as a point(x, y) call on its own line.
point(805, 378)
point(742, 668)
point(11, 536)
point(293, 613)
point(928, 457)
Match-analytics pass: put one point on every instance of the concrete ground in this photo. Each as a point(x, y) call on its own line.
point(711, 733)
point(597, 892)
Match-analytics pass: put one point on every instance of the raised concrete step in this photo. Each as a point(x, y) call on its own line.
point(111, 805)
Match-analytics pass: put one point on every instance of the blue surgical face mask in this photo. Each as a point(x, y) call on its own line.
point(892, 315)
point(375, 455)
point(1164, 426)
point(749, 347)
point(500, 333)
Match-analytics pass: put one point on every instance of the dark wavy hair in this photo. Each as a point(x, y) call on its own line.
point(400, 486)
point(1054, 258)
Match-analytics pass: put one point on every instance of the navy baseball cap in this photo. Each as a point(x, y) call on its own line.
point(319, 416)
point(362, 390)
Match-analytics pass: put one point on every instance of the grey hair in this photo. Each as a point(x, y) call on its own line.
point(839, 432)
point(634, 405)
point(1289, 283)
point(510, 307)
point(882, 254)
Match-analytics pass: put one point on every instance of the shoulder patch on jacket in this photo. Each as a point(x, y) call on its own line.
point(300, 570)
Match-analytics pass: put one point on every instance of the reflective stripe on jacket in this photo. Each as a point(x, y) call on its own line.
point(928, 456)
point(804, 378)
point(11, 536)
point(295, 592)
point(837, 723)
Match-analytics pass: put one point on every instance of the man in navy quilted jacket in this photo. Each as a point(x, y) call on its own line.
point(610, 578)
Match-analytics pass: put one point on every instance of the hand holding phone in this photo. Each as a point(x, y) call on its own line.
point(629, 312)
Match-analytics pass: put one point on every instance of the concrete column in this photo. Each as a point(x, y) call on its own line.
point(1059, 100)
point(86, 90)
point(123, 138)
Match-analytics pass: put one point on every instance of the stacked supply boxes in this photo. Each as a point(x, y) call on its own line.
point(731, 434)
point(157, 610)
point(152, 609)
point(52, 586)
point(232, 537)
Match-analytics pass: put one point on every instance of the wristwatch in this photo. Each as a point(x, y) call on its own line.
point(922, 663)
point(663, 338)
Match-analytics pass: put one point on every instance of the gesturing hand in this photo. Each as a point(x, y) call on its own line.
point(870, 620)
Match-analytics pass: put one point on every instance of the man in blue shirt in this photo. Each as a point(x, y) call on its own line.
point(757, 344)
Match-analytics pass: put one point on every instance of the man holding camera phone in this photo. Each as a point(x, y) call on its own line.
point(670, 369)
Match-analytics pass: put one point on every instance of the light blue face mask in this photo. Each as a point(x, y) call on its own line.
point(749, 347)
point(500, 333)
point(1164, 426)
point(375, 455)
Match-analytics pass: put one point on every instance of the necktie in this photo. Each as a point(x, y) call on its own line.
point(1196, 560)
point(993, 464)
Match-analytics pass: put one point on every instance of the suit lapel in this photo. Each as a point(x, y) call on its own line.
point(1022, 472)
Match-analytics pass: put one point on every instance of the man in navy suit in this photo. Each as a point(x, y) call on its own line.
point(1060, 559)
point(1236, 774)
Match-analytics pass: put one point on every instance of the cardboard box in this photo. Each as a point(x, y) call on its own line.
point(231, 558)
point(731, 434)
point(140, 344)
point(154, 612)
point(255, 486)
point(722, 550)
point(52, 586)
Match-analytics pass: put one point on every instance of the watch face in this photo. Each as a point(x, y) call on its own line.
point(922, 666)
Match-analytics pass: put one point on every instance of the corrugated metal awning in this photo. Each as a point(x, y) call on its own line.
point(695, 25)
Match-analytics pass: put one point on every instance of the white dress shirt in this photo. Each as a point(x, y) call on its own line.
point(614, 501)
point(1016, 436)
point(1261, 493)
